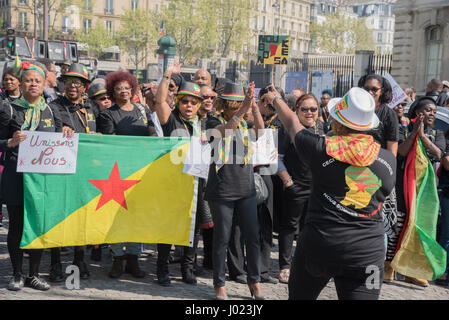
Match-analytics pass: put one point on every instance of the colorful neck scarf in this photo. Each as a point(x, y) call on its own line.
point(225, 144)
point(33, 114)
point(356, 149)
point(195, 123)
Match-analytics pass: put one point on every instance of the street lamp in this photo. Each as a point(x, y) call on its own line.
point(166, 52)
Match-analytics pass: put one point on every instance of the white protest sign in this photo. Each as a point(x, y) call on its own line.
point(265, 151)
point(398, 94)
point(47, 152)
point(198, 159)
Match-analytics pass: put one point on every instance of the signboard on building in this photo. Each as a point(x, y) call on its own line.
point(273, 49)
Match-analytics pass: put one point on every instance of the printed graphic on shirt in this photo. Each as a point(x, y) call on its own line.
point(363, 184)
point(90, 117)
point(48, 123)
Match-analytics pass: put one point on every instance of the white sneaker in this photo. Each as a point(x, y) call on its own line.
point(16, 283)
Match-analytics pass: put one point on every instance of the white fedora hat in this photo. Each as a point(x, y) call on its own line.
point(355, 110)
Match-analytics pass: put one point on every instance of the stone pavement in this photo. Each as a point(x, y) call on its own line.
point(101, 287)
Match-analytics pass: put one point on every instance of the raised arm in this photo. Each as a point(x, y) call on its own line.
point(286, 115)
point(163, 109)
point(233, 123)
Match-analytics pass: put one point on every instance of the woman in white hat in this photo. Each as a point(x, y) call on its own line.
point(343, 236)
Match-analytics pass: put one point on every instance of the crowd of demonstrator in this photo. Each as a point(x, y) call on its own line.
point(314, 200)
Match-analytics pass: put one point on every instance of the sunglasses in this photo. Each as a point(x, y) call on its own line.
point(311, 109)
point(103, 98)
point(209, 97)
point(372, 89)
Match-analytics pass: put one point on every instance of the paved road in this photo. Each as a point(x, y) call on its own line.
point(100, 286)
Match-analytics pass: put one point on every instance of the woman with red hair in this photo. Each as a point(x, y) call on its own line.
point(125, 118)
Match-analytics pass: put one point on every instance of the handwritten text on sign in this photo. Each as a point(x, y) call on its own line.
point(398, 94)
point(47, 152)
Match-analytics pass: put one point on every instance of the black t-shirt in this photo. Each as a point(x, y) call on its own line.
point(177, 127)
point(233, 181)
point(11, 182)
point(388, 129)
point(343, 225)
point(122, 122)
point(296, 166)
point(72, 116)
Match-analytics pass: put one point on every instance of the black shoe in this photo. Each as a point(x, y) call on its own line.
point(269, 279)
point(241, 278)
point(164, 279)
point(84, 273)
point(56, 274)
point(16, 283)
point(36, 283)
point(442, 282)
point(188, 277)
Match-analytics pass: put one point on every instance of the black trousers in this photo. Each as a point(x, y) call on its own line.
point(16, 219)
point(307, 279)
point(236, 257)
point(246, 212)
point(291, 220)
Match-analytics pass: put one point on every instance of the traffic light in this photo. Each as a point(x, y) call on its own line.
point(11, 40)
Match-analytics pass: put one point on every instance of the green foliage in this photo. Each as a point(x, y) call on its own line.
point(97, 39)
point(138, 34)
point(342, 35)
point(207, 28)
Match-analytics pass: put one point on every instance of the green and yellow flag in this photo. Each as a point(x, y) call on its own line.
point(125, 189)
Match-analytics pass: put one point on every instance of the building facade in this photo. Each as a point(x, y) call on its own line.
point(380, 19)
point(421, 42)
point(285, 17)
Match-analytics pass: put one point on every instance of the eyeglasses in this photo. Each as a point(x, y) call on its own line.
point(209, 97)
point(120, 89)
point(311, 109)
point(53, 71)
point(75, 83)
point(372, 89)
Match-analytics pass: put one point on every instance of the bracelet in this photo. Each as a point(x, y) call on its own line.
point(235, 118)
point(275, 99)
point(256, 112)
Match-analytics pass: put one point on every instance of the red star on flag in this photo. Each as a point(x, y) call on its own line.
point(361, 186)
point(114, 188)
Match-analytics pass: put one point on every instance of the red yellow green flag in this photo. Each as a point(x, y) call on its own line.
point(125, 189)
point(418, 255)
